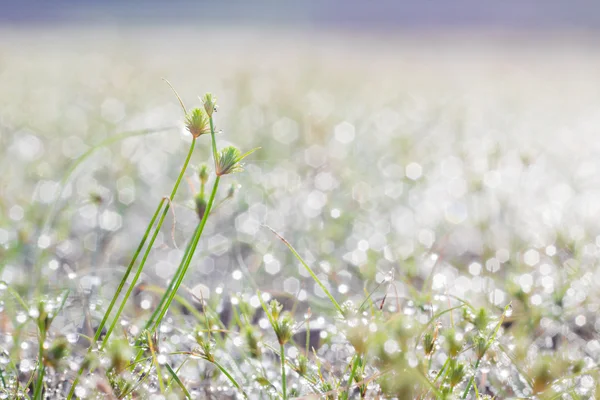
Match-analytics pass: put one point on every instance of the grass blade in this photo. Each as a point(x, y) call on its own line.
point(176, 379)
point(309, 269)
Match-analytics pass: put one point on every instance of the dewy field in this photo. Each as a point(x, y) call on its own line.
point(420, 218)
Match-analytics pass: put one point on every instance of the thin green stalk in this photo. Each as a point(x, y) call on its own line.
point(231, 378)
point(27, 384)
point(213, 141)
point(472, 379)
point(307, 336)
point(119, 289)
point(433, 319)
point(37, 395)
point(127, 272)
point(2, 379)
point(488, 345)
point(432, 387)
point(159, 308)
point(309, 269)
point(369, 295)
point(429, 364)
point(176, 379)
point(16, 295)
point(351, 378)
point(283, 378)
point(132, 263)
point(186, 265)
point(180, 273)
point(157, 365)
point(516, 365)
point(476, 391)
point(281, 345)
point(182, 301)
point(134, 363)
point(133, 388)
point(265, 308)
point(149, 247)
point(134, 280)
point(441, 370)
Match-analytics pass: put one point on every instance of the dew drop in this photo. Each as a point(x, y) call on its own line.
point(80, 391)
point(21, 318)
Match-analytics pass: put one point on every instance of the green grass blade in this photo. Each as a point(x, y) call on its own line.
point(309, 269)
point(176, 379)
point(230, 377)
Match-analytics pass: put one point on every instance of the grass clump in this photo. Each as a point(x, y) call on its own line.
point(375, 321)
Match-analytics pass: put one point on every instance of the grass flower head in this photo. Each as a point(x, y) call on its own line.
point(197, 122)
point(229, 160)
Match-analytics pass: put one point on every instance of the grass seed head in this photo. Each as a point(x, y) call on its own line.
point(205, 350)
point(283, 328)
point(44, 318)
point(252, 342)
point(542, 375)
point(577, 366)
point(119, 353)
point(302, 365)
point(456, 372)
point(358, 337)
point(453, 345)
point(203, 174)
point(481, 320)
point(429, 343)
point(200, 205)
point(197, 122)
point(275, 308)
point(480, 344)
point(229, 160)
point(210, 104)
point(57, 351)
point(91, 361)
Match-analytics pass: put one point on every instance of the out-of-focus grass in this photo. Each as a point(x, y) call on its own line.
point(424, 179)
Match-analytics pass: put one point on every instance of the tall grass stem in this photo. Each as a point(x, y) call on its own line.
point(132, 263)
point(168, 296)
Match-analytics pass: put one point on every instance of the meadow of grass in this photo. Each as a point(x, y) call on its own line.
point(420, 218)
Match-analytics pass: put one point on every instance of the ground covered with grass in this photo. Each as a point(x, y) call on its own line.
point(421, 219)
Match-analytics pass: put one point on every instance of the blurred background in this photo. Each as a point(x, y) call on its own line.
point(450, 140)
point(529, 15)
